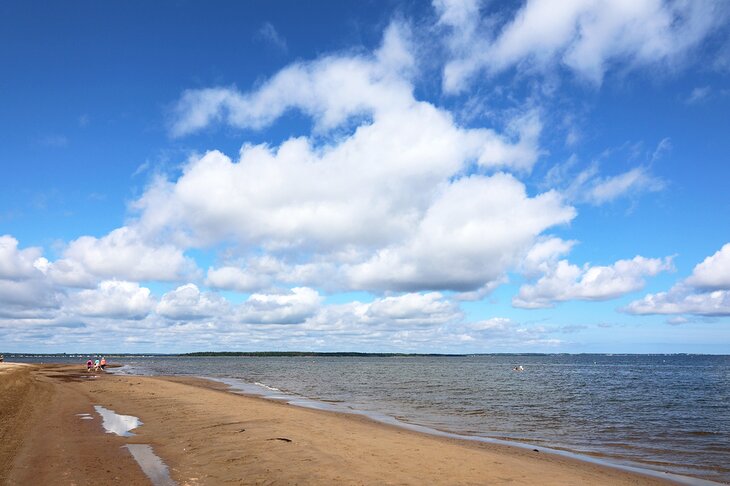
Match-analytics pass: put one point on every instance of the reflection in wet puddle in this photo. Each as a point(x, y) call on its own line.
point(84, 416)
point(152, 465)
point(114, 423)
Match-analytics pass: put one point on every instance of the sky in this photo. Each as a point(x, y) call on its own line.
point(459, 176)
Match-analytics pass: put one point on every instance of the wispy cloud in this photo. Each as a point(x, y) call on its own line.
point(271, 36)
point(56, 141)
point(585, 37)
point(698, 95)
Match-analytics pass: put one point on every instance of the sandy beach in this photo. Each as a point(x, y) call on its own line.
point(207, 435)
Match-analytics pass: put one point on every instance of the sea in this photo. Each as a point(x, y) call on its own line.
point(666, 413)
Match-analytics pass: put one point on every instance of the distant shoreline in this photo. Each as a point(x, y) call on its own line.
point(323, 354)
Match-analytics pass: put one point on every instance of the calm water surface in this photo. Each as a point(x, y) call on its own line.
point(670, 413)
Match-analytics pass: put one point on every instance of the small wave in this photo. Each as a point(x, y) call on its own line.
point(270, 388)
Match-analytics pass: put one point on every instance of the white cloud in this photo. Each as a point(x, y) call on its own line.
point(343, 208)
point(633, 181)
point(25, 293)
point(123, 254)
point(420, 309)
point(113, 299)
point(495, 324)
point(698, 95)
point(565, 281)
point(69, 273)
point(584, 36)
point(17, 264)
point(268, 33)
point(330, 90)
point(19, 296)
point(544, 255)
point(588, 185)
point(288, 307)
point(504, 333)
point(705, 293)
point(235, 278)
point(682, 300)
point(461, 14)
point(713, 272)
point(471, 235)
point(369, 189)
point(188, 303)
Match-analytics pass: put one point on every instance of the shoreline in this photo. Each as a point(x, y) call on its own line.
point(268, 393)
point(258, 390)
point(207, 434)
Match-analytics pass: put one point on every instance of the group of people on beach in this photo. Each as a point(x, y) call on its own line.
point(96, 365)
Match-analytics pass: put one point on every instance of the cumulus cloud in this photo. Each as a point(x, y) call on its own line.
point(586, 37)
point(16, 264)
point(287, 307)
point(24, 290)
point(330, 89)
point(565, 281)
point(387, 315)
point(394, 196)
point(187, 302)
point(705, 293)
point(18, 297)
point(544, 255)
point(420, 309)
point(334, 89)
point(501, 332)
point(470, 236)
point(683, 300)
point(68, 273)
point(113, 299)
point(123, 254)
point(235, 278)
point(713, 272)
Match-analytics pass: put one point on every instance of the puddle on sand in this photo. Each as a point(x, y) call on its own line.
point(84, 416)
point(153, 467)
point(114, 423)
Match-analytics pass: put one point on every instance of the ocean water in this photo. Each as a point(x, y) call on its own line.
point(664, 412)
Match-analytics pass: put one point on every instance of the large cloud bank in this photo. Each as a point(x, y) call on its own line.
point(388, 195)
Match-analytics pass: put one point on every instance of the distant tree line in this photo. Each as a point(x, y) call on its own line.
point(307, 354)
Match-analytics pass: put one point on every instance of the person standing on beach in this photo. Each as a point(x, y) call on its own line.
point(88, 365)
point(103, 363)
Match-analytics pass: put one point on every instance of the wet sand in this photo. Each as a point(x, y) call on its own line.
point(207, 435)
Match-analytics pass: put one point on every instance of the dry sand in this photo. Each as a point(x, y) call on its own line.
point(207, 435)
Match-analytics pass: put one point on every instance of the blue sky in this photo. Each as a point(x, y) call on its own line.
point(460, 176)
